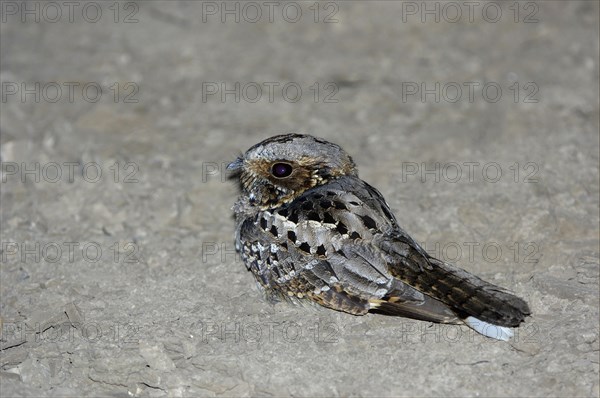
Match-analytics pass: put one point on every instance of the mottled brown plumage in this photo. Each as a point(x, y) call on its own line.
point(309, 229)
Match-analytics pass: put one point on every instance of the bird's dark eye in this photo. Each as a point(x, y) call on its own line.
point(281, 170)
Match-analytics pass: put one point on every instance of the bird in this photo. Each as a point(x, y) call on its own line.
point(311, 231)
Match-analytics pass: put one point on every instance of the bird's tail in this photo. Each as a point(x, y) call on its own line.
point(481, 305)
point(473, 296)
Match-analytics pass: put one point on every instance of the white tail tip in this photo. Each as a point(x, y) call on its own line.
point(487, 329)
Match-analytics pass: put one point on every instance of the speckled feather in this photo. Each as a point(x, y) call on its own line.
point(324, 235)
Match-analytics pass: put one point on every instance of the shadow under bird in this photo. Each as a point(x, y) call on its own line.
point(309, 229)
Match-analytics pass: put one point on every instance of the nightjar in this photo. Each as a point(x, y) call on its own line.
point(309, 229)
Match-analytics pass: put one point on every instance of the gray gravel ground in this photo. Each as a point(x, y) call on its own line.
point(126, 284)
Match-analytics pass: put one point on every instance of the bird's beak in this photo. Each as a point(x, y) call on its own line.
point(236, 164)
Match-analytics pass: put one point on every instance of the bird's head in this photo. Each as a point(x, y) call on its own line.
point(279, 169)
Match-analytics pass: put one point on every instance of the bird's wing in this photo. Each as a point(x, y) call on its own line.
point(465, 293)
point(389, 250)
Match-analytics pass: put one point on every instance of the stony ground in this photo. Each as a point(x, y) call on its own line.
point(118, 276)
